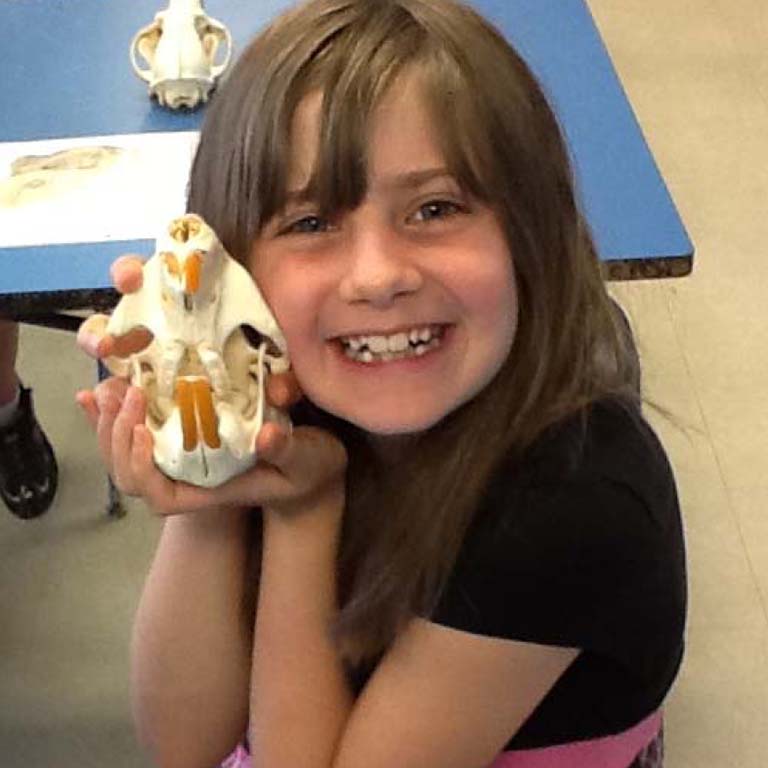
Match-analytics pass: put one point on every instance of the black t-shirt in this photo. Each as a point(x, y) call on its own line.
point(581, 546)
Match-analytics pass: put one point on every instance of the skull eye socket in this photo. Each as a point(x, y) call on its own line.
point(256, 339)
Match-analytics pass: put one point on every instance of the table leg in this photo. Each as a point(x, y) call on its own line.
point(115, 507)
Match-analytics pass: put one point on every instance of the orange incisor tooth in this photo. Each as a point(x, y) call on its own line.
point(185, 399)
point(208, 420)
point(192, 271)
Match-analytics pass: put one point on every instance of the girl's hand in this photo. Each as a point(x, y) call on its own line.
point(296, 471)
point(293, 468)
point(92, 337)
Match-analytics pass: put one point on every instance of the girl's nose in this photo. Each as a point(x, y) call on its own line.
point(380, 268)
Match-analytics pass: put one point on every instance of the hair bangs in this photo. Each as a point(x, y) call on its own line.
point(447, 91)
point(353, 69)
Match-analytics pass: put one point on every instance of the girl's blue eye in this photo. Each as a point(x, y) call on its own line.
point(307, 225)
point(437, 209)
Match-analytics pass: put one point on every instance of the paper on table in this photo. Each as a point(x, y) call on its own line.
point(93, 188)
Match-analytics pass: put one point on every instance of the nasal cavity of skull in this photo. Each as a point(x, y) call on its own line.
point(182, 229)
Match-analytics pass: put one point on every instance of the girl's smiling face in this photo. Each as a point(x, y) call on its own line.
point(417, 253)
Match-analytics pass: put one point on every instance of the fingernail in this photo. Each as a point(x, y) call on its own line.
point(133, 397)
point(91, 343)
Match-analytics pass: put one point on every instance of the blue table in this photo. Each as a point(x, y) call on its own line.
point(66, 74)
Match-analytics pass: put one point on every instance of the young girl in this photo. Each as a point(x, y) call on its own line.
point(468, 552)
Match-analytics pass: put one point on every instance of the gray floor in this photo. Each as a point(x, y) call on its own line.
point(697, 74)
point(70, 582)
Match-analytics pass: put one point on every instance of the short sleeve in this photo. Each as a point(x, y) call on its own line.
point(580, 544)
point(578, 563)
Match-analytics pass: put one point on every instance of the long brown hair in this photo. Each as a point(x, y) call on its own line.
point(404, 525)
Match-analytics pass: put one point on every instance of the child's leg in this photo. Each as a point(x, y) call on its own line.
point(9, 344)
point(28, 470)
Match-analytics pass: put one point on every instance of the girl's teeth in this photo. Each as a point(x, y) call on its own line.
point(377, 344)
point(381, 344)
point(369, 356)
point(399, 342)
point(369, 349)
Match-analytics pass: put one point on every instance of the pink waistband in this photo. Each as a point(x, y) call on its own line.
point(238, 759)
point(608, 752)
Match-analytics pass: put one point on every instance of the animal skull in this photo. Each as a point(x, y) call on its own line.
point(180, 47)
point(203, 380)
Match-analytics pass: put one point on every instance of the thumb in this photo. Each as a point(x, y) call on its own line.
point(307, 455)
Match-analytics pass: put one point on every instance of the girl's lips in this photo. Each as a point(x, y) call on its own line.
point(413, 364)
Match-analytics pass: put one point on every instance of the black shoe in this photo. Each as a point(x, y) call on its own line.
point(28, 471)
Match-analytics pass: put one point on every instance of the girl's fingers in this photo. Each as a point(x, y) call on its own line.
point(131, 414)
point(128, 277)
point(133, 341)
point(87, 402)
point(93, 339)
point(158, 490)
point(301, 460)
point(92, 336)
point(91, 333)
point(169, 497)
point(165, 496)
point(255, 488)
point(126, 273)
point(274, 445)
point(283, 390)
point(109, 398)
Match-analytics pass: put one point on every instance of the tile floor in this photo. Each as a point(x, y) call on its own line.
point(696, 72)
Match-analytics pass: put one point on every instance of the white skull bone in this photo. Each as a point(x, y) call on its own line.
point(204, 382)
point(180, 47)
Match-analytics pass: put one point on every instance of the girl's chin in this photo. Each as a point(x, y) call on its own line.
point(382, 424)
